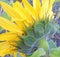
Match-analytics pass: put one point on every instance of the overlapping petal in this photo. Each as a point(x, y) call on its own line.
point(9, 37)
point(7, 48)
point(6, 24)
point(30, 9)
point(10, 11)
point(21, 15)
point(19, 8)
point(37, 6)
point(44, 8)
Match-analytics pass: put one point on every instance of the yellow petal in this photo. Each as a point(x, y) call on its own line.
point(6, 48)
point(10, 11)
point(20, 24)
point(51, 15)
point(22, 54)
point(45, 4)
point(29, 8)
point(6, 24)
point(9, 37)
point(37, 6)
point(27, 24)
point(51, 2)
point(23, 13)
point(44, 8)
point(49, 11)
point(15, 54)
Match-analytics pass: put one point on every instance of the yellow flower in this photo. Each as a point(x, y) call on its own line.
point(21, 16)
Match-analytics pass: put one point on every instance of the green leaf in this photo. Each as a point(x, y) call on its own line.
point(39, 52)
point(43, 43)
point(55, 52)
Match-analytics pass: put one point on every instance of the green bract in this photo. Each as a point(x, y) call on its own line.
point(38, 39)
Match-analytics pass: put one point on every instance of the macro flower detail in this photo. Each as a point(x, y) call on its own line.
point(27, 25)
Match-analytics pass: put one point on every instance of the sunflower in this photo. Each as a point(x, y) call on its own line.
point(22, 15)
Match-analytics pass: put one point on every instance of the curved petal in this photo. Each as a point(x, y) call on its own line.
point(15, 54)
point(22, 54)
point(6, 48)
point(29, 8)
point(9, 37)
point(45, 4)
point(51, 2)
point(44, 8)
point(23, 13)
point(49, 11)
point(50, 14)
point(6, 24)
point(10, 11)
point(37, 6)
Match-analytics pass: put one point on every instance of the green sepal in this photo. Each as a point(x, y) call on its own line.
point(29, 31)
point(43, 44)
point(39, 52)
point(29, 40)
point(38, 28)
